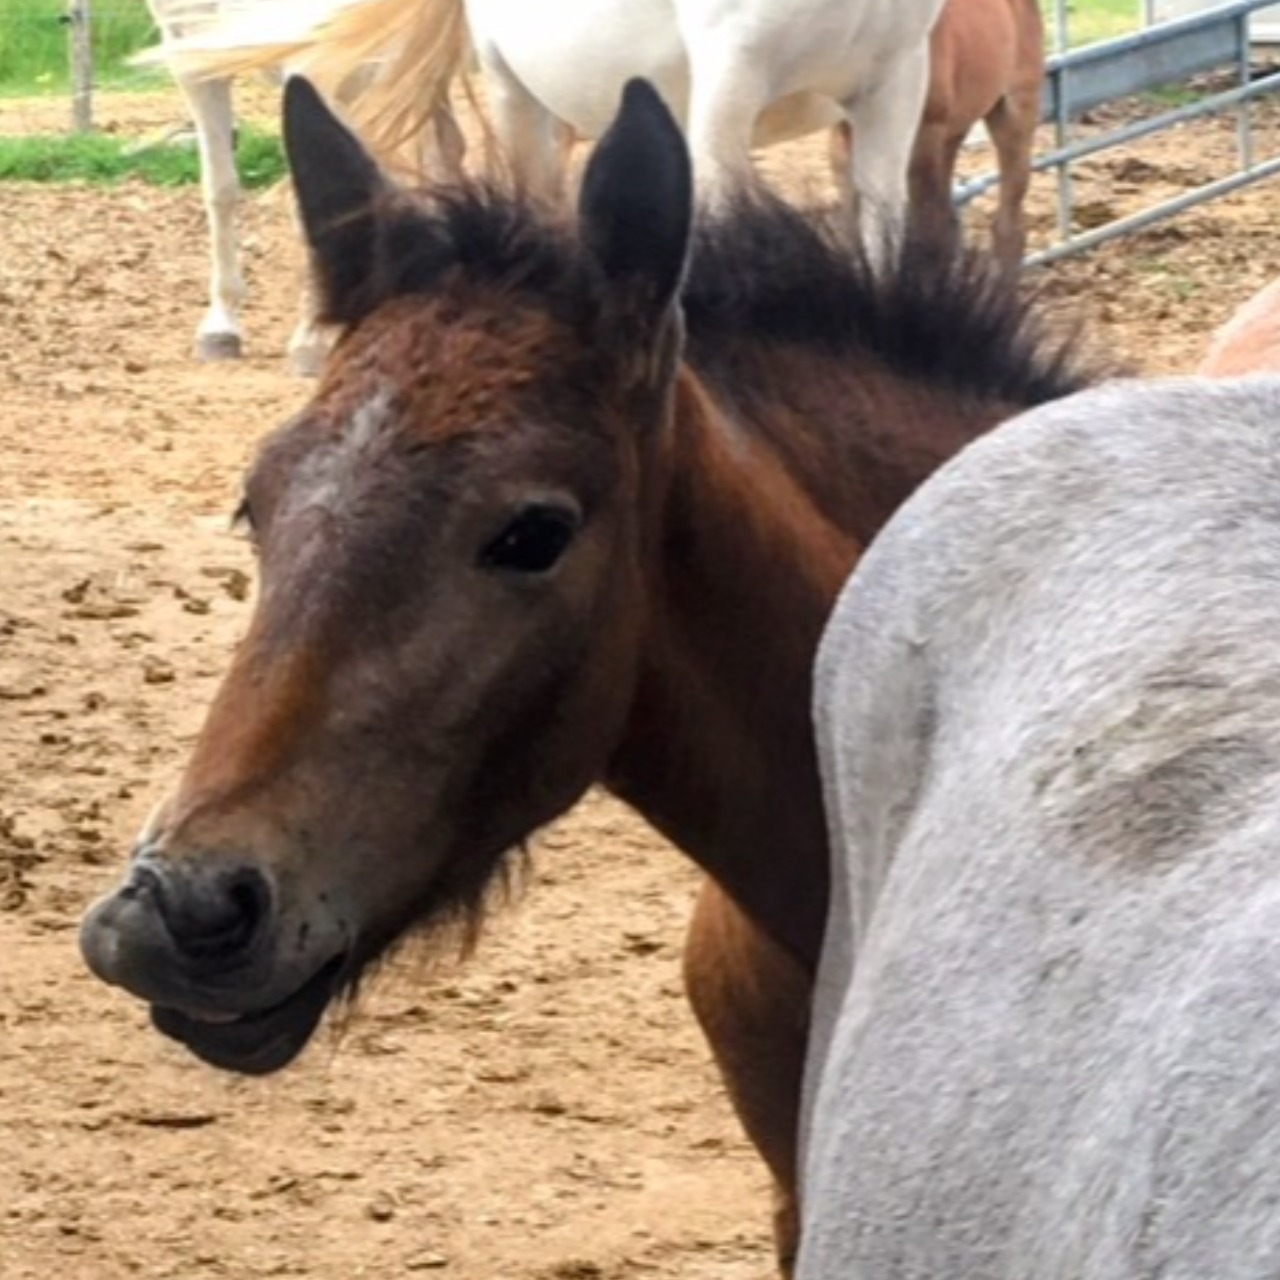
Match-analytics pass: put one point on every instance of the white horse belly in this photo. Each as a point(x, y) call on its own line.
point(795, 116)
point(575, 57)
point(819, 48)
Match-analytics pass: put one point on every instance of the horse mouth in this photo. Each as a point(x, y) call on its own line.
point(259, 1043)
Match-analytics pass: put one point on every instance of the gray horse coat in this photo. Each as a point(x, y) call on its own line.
point(1047, 1028)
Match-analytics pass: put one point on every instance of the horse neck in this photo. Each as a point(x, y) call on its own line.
point(757, 531)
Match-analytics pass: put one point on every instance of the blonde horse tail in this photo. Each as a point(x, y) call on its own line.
point(392, 61)
point(417, 48)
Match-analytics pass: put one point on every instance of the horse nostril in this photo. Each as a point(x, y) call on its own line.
point(212, 917)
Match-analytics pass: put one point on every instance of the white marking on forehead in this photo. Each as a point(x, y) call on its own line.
point(366, 424)
point(329, 472)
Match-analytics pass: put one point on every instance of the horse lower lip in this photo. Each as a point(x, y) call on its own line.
point(210, 1019)
point(254, 1043)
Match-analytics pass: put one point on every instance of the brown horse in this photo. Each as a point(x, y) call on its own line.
point(986, 64)
point(542, 526)
point(1249, 342)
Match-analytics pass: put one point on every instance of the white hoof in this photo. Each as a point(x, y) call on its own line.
point(219, 346)
point(307, 362)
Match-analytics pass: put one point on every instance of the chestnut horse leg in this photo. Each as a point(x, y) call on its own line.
point(1012, 126)
point(751, 999)
point(933, 164)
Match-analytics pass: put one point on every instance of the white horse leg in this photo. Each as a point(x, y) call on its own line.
point(531, 143)
point(309, 343)
point(218, 336)
point(885, 119)
point(725, 99)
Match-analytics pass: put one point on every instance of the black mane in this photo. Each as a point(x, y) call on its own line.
point(472, 230)
point(763, 272)
point(788, 277)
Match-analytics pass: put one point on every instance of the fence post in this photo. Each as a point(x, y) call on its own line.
point(81, 65)
point(1061, 26)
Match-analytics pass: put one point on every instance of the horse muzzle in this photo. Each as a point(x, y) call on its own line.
point(229, 971)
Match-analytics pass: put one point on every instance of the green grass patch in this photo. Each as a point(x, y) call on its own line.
point(1170, 96)
point(104, 160)
point(1089, 21)
point(34, 45)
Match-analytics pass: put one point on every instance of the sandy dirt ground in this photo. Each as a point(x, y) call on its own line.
point(545, 1111)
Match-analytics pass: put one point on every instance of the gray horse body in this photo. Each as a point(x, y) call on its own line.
point(1047, 1026)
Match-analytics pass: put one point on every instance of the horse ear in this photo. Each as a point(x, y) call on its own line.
point(338, 186)
point(636, 205)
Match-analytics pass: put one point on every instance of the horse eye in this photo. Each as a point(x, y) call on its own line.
point(532, 541)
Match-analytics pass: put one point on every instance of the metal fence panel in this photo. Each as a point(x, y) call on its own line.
point(1080, 80)
point(1086, 78)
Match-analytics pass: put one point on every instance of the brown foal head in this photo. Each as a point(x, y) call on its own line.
point(452, 557)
